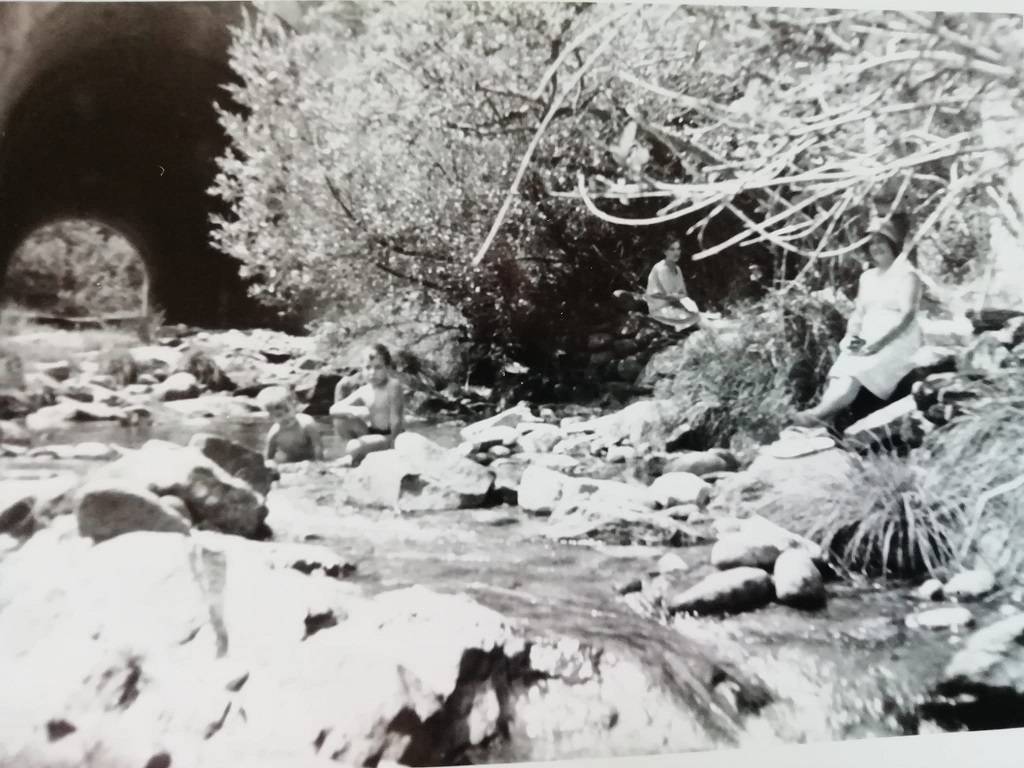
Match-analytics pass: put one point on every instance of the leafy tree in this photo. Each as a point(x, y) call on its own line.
point(76, 268)
point(516, 162)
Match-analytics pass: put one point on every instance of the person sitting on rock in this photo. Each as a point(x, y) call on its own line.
point(372, 416)
point(883, 332)
point(667, 299)
point(294, 436)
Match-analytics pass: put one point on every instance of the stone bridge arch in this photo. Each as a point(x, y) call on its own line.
point(106, 113)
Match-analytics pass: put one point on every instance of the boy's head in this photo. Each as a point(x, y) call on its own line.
point(278, 402)
point(378, 364)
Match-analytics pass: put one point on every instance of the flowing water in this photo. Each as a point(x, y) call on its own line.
point(850, 670)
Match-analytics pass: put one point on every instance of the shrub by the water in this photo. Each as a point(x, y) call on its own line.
point(741, 386)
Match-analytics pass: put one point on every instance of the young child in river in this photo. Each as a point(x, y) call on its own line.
point(294, 436)
point(371, 417)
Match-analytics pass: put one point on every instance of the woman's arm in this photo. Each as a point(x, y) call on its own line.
point(908, 294)
point(857, 318)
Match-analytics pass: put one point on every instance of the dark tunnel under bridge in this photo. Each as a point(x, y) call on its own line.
point(106, 113)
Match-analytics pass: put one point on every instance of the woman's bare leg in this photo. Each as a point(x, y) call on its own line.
point(839, 394)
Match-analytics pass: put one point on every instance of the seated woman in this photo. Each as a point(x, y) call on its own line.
point(666, 296)
point(372, 416)
point(883, 333)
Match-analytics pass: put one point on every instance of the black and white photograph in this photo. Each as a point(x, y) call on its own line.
point(448, 383)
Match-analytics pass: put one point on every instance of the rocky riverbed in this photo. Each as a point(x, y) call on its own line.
point(544, 583)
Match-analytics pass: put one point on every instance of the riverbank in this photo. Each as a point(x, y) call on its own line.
point(547, 614)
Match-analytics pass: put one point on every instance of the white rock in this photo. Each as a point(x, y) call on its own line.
point(537, 437)
point(797, 580)
point(951, 617)
point(671, 562)
point(970, 585)
point(929, 590)
point(680, 488)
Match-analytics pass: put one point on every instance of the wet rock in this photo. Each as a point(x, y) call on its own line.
point(542, 490)
point(670, 562)
point(214, 498)
point(236, 459)
point(791, 492)
point(507, 418)
point(970, 585)
point(616, 522)
point(898, 424)
point(14, 403)
point(155, 360)
point(952, 617)
point(757, 542)
point(217, 406)
point(12, 433)
point(538, 437)
point(983, 685)
point(732, 591)
point(485, 439)
point(57, 416)
point(418, 475)
point(986, 354)
point(90, 451)
point(16, 501)
point(621, 454)
point(178, 386)
point(58, 371)
point(930, 590)
point(107, 510)
point(696, 463)
point(675, 488)
point(797, 580)
point(735, 550)
point(645, 421)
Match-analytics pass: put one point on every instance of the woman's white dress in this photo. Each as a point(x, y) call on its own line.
point(667, 279)
point(880, 294)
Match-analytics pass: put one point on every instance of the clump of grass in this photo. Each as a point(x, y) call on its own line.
point(974, 462)
point(741, 386)
point(886, 522)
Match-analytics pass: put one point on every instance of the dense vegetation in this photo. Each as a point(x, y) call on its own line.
point(76, 268)
point(518, 162)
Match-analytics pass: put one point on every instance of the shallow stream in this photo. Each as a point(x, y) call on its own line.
point(850, 670)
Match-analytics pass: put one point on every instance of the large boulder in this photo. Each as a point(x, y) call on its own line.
point(541, 490)
point(511, 417)
point(240, 461)
point(157, 649)
point(178, 386)
point(30, 503)
point(418, 475)
point(214, 498)
point(732, 591)
point(792, 492)
point(647, 421)
point(797, 580)
point(105, 510)
point(756, 542)
point(983, 684)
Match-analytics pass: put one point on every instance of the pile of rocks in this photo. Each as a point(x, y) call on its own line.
point(755, 561)
point(212, 484)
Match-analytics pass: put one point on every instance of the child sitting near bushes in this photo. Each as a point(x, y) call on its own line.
point(294, 436)
point(371, 417)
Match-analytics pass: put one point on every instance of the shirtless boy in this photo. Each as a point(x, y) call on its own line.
point(370, 418)
point(294, 436)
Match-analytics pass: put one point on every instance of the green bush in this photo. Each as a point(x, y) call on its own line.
point(740, 385)
point(76, 268)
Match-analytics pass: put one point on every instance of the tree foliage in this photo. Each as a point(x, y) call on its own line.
point(76, 268)
point(517, 162)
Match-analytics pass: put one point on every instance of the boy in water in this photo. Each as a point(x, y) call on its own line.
point(294, 436)
point(370, 418)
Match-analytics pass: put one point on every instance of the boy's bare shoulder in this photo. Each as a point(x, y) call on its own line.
point(395, 387)
point(305, 420)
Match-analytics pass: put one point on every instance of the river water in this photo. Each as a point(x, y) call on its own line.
point(850, 670)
